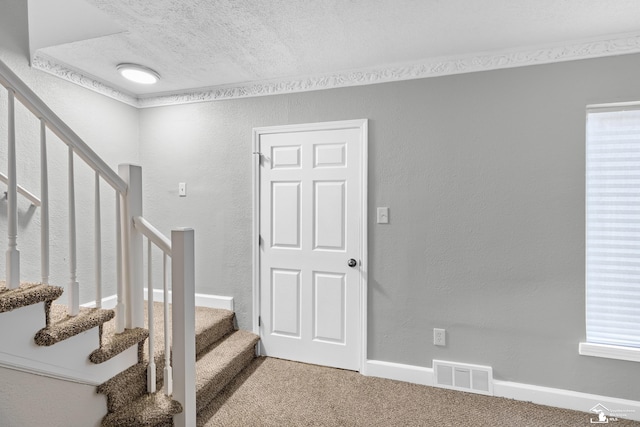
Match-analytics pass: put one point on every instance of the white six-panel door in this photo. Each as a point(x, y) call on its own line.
point(310, 227)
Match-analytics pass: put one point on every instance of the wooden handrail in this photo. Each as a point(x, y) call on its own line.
point(152, 233)
point(34, 104)
point(26, 193)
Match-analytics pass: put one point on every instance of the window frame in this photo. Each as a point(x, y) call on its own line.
point(586, 348)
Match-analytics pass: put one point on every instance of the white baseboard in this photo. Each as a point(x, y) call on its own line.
point(566, 399)
point(108, 303)
point(400, 372)
point(202, 300)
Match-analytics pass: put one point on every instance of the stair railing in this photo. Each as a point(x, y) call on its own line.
point(181, 251)
point(17, 89)
point(35, 201)
point(127, 184)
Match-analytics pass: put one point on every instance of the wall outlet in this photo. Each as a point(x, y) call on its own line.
point(182, 189)
point(439, 336)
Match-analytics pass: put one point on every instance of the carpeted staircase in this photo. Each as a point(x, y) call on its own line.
point(221, 353)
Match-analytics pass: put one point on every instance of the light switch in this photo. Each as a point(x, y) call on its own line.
point(383, 215)
point(182, 189)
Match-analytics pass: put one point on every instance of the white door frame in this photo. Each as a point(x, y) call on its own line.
point(362, 125)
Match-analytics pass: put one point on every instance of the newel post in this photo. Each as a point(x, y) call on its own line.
point(132, 246)
point(13, 255)
point(183, 307)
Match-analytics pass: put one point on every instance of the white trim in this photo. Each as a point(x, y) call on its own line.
point(364, 240)
point(399, 372)
point(631, 104)
point(202, 300)
point(108, 303)
point(548, 396)
point(255, 233)
point(614, 44)
point(566, 399)
point(609, 351)
point(363, 125)
point(96, 377)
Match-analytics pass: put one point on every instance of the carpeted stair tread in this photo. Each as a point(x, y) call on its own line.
point(211, 326)
point(26, 294)
point(217, 366)
point(124, 387)
point(147, 410)
point(114, 344)
point(214, 369)
point(63, 326)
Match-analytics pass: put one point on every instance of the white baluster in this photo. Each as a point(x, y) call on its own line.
point(151, 369)
point(74, 287)
point(13, 255)
point(98, 243)
point(168, 371)
point(120, 319)
point(183, 325)
point(44, 207)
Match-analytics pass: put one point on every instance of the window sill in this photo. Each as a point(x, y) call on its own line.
point(609, 351)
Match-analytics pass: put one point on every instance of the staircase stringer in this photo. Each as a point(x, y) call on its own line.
point(67, 360)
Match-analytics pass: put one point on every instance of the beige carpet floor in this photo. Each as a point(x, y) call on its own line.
point(273, 392)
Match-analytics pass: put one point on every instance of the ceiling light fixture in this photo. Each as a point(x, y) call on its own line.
point(138, 74)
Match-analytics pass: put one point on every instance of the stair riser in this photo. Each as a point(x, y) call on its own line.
point(209, 392)
point(208, 337)
point(132, 386)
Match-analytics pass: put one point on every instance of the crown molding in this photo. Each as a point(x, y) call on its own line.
point(435, 67)
point(50, 65)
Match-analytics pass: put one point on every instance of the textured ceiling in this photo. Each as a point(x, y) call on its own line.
point(208, 43)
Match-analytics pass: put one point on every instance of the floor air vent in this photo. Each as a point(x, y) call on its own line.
point(463, 377)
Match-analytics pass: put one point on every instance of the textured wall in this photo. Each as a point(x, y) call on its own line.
point(484, 176)
point(109, 127)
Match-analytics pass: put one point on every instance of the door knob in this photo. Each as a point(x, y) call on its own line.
point(352, 262)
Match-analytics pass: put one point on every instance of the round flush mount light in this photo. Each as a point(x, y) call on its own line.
point(138, 74)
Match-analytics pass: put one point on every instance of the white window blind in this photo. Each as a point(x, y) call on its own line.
point(613, 227)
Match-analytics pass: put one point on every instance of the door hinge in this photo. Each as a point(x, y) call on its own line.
point(259, 321)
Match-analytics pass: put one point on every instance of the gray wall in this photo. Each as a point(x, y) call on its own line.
point(484, 176)
point(483, 173)
point(108, 126)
